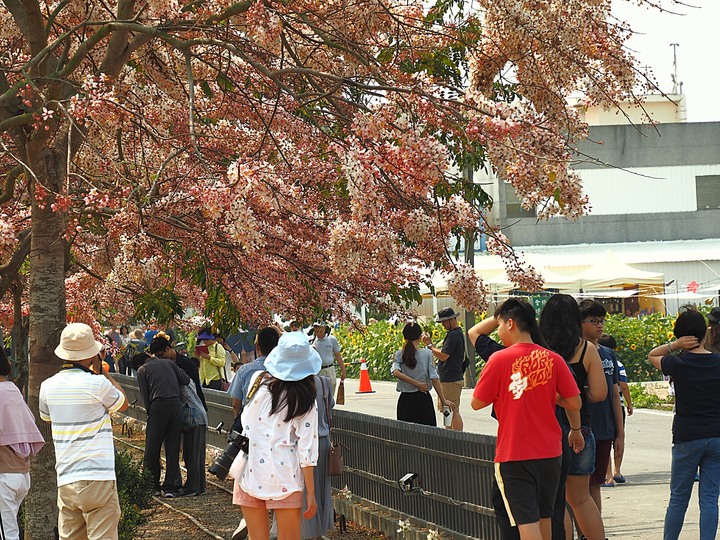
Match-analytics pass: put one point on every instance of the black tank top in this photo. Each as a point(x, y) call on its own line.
point(580, 373)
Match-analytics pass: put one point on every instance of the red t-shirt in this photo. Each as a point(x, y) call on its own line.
point(522, 382)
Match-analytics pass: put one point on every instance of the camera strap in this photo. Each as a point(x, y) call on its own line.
point(73, 365)
point(258, 381)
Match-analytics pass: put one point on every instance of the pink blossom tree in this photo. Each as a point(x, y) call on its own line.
point(292, 156)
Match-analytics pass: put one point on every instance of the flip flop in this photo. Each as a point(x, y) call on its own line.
point(619, 478)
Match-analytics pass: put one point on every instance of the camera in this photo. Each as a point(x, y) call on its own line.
point(221, 466)
point(407, 482)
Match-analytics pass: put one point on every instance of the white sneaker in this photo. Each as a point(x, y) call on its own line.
point(241, 532)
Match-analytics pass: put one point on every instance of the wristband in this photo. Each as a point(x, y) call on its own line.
point(669, 349)
point(575, 429)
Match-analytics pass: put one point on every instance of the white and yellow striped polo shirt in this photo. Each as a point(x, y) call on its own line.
point(78, 405)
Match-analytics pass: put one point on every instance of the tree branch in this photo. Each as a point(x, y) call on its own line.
point(10, 270)
point(9, 188)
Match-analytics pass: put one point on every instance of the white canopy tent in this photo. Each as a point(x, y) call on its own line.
point(687, 295)
point(607, 293)
point(610, 271)
point(603, 276)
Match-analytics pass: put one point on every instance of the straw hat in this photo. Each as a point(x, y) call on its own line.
point(77, 343)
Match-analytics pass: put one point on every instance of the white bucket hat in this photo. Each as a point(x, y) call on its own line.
point(293, 358)
point(77, 343)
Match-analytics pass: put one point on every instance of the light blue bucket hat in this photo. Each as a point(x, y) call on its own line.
point(293, 358)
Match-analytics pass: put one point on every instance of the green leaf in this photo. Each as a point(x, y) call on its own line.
point(225, 83)
point(386, 55)
point(162, 304)
point(206, 89)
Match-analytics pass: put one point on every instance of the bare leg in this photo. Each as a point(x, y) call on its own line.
point(595, 494)
point(289, 521)
point(457, 421)
point(546, 528)
point(584, 508)
point(618, 454)
point(531, 531)
point(258, 522)
point(568, 526)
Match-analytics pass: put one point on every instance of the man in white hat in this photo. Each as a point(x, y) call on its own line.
point(451, 361)
point(328, 348)
point(78, 401)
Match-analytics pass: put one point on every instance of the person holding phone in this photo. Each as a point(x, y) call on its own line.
point(78, 403)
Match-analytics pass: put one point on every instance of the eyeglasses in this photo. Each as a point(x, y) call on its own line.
point(596, 322)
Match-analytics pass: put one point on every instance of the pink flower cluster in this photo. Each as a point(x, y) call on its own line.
point(466, 288)
point(95, 101)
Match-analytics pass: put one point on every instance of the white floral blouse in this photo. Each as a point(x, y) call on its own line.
point(278, 449)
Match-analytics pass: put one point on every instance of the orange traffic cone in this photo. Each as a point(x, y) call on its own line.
point(365, 387)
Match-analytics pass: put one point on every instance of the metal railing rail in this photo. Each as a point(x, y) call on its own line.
point(453, 487)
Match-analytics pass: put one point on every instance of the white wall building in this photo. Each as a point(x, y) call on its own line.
point(655, 197)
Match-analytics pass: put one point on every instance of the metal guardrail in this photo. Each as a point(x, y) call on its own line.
point(219, 408)
point(454, 471)
point(453, 487)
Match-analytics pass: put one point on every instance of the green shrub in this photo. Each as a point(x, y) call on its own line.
point(642, 399)
point(377, 343)
point(636, 338)
point(135, 490)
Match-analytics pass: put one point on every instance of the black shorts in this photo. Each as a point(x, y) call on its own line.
point(528, 488)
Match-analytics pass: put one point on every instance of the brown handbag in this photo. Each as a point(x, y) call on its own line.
point(335, 458)
point(340, 399)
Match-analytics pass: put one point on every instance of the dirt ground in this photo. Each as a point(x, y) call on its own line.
point(211, 515)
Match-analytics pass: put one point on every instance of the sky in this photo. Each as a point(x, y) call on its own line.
point(697, 31)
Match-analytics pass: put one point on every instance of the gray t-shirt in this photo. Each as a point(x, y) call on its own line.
point(159, 379)
point(424, 370)
point(326, 348)
point(323, 391)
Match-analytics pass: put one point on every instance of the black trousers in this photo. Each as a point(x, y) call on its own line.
point(194, 458)
point(164, 427)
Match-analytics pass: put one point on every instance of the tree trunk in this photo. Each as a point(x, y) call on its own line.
point(47, 319)
point(19, 339)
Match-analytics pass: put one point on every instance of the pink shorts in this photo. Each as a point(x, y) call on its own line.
point(294, 500)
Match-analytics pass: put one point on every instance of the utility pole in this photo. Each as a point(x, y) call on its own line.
point(470, 378)
point(677, 86)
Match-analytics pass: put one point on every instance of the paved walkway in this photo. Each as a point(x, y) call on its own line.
point(633, 510)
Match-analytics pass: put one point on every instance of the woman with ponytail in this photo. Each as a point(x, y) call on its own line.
point(415, 373)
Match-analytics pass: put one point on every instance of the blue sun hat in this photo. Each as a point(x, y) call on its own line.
point(205, 335)
point(293, 358)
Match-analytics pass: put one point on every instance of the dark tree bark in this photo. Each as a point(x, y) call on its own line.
point(19, 337)
point(47, 319)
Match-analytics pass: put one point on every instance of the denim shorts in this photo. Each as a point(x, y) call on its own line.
point(582, 464)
